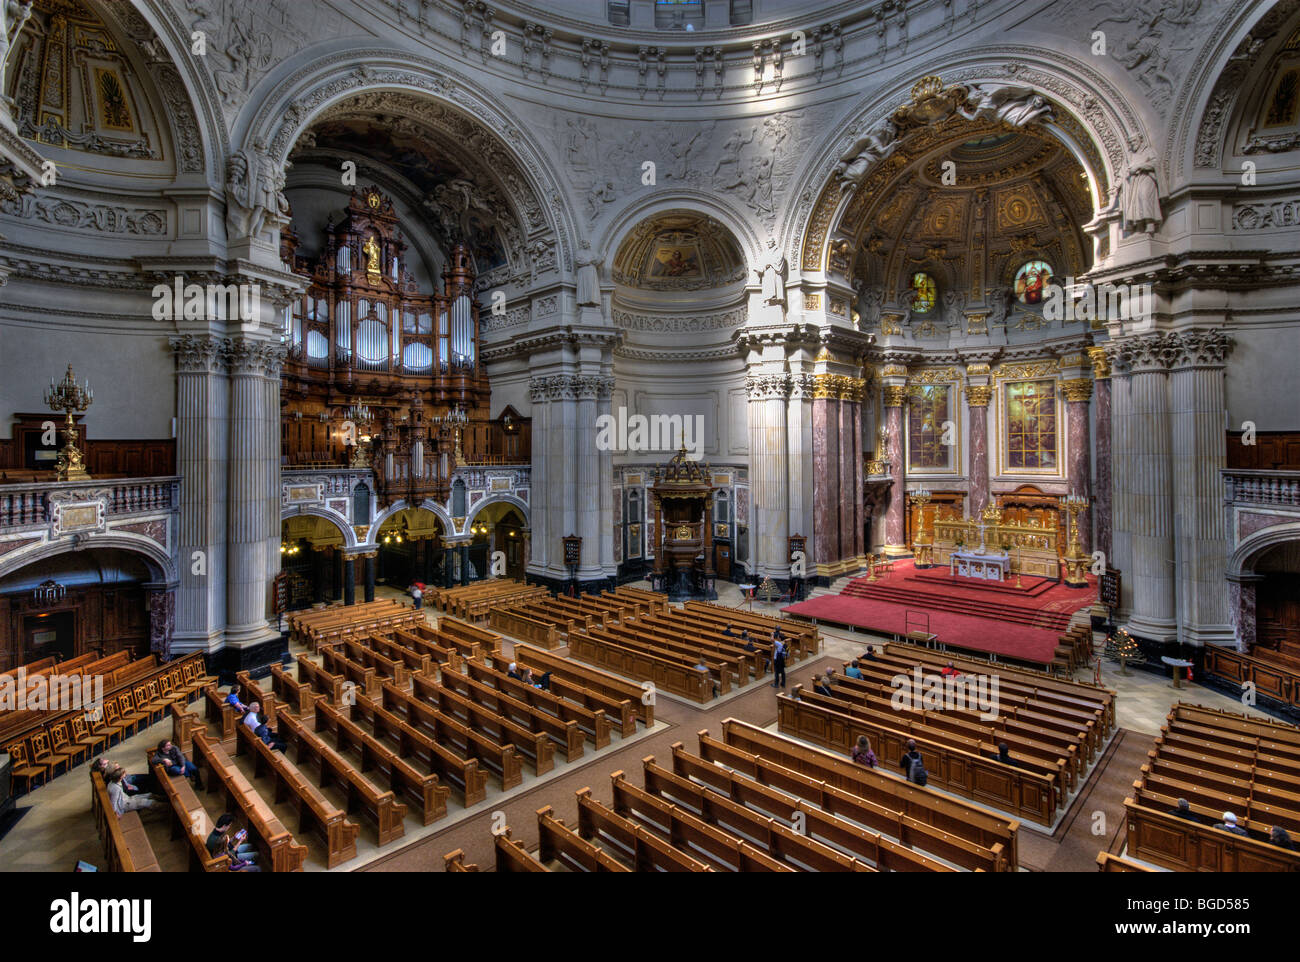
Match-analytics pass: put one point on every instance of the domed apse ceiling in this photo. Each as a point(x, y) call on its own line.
point(971, 210)
point(679, 251)
point(460, 204)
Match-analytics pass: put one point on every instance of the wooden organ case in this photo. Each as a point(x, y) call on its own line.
point(379, 373)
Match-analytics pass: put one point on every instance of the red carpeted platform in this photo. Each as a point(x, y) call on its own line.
point(1021, 623)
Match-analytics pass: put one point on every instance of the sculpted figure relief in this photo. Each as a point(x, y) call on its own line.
point(1140, 197)
point(588, 276)
point(1017, 106)
point(867, 151)
point(772, 278)
point(254, 193)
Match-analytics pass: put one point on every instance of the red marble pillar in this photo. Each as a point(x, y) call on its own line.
point(977, 407)
point(1078, 392)
point(826, 472)
point(859, 479)
point(895, 395)
point(1241, 602)
point(1101, 505)
point(162, 620)
point(844, 513)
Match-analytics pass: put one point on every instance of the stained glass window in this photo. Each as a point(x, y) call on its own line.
point(1032, 280)
point(924, 291)
point(927, 413)
point(1031, 425)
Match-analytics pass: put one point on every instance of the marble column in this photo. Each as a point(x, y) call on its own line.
point(202, 447)
point(162, 619)
point(369, 557)
point(895, 396)
point(447, 565)
point(464, 562)
point(336, 584)
point(859, 478)
point(1241, 603)
point(1148, 491)
point(349, 581)
point(1078, 393)
point(589, 473)
point(845, 484)
point(977, 412)
point(825, 470)
point(768, 398)
point(608, 563)
point(1198, 411)
point(253, 482)
point(801, 474)
point(1103, 520)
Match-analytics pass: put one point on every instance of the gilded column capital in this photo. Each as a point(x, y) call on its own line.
point(1077, 389)
point(1100, 362)
point(978, 395)
point(825, 387)
point(895, 395)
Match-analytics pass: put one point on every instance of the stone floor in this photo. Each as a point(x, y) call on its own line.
point(56, 829)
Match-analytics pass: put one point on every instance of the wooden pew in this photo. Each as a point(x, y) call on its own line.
point(326, 683)
point(443, 729)
point(280, 853)
point(413, 744)
point(825, 779)
point(641, 849)
point(537, 747)
point(621, 700)
point(526, 628)
point(666, 673)
point(316, 813)
point(1118, 863)
point(565, 734)
point(380, 806)
point(216, 709)
point(593, 723)
point(190, 818)
point(126, 845)
point(566, 846)
point(1155, 836)
point(296, 695)
point(487, 644)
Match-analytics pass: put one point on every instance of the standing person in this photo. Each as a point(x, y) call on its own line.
point(417, 596)
point(778, 659)
point(243, 858)
point(174, 762)
point(911, 761)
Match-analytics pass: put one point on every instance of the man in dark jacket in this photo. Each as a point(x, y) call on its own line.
point(910, 757)
point(1184, 810)
point(174, 762)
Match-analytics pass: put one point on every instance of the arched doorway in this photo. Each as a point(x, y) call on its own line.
point(498, 527)
point(312, 557)
point(410, 549)
point(1277, 604)
point(76, 601)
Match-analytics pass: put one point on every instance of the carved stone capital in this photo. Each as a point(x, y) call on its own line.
point(1100, 362)
point(197, 353)
point(1077, 389)
point(768, 387)
point(978, 395)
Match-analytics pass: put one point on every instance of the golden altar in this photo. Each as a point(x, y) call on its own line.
point(1033, 547)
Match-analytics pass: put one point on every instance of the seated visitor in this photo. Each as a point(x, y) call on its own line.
point(513, 670)
point(174, 762)
point(949, 671)
point(853, 671)
point(1184, 810)
point(243, 857)
point(544, 682)
point(233, 699)
point(1278, 836)
point(868, 655)
point(131, 784)
point(821, 685)
point(728, 632)
point(862, 753)
point(255, 721)
point(1229, 824)
point(121, 802)
point(1004, 754)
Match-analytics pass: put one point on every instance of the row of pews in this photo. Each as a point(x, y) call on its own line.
point(386, 724)
point(472, 602)
point(136, 693)
point(338, 622)
point(1054, 729)
point(549, 622)
point(1220, 762)
point(1273, 673)
point(755, 801)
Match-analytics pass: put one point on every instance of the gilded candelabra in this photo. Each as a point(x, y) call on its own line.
point(361, 421)
point(70, 397)
point(1076, 562)
point(923, 543)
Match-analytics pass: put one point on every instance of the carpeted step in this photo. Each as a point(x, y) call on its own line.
point(1001, 611)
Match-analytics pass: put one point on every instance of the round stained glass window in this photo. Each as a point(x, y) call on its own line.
point(924, 292)
point(1031, 282)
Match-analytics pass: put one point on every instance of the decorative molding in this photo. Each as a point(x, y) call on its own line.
point(676, 324)
point(767, 387)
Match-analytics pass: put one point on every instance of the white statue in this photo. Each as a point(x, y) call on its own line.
point(588, 276)
point(772, 277)
point(12, 17)
point(1017, 106)
point(1141, 195)
point(254, 193)
point(867, 151)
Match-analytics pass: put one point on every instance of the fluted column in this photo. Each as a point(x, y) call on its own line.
point(542, 487)
point(202, 401)
point(801, 472)
point(1103, 520)
point(591, 470)
point(859, 478)
point(1078, 392)
point(768, 394)
point(608, 565)
point(1148, 486)
point(253, 482)
point(978, 394)
point(845, 484)
point(1198, 411)
point(895, 396)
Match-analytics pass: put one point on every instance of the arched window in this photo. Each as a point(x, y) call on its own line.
point(458, 499)
point(1032, 280)
point(924, 292)
point(361, 504)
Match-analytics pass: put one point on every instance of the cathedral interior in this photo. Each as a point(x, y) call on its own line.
point(844, 315)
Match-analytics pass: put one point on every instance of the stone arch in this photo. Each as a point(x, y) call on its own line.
point(1093, 121)
point(329, 514)
point(454, 103)
point(431, 506)
point(1242, 561)
point(161, 565)
point(499, 498)
point(1211, 96)
point(642, 209)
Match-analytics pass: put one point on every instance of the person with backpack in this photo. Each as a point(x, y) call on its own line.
point(912, 765)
